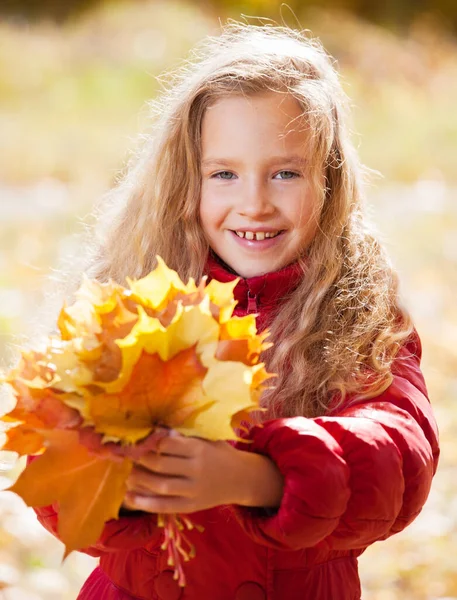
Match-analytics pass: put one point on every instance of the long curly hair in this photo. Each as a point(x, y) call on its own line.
point(340, 330)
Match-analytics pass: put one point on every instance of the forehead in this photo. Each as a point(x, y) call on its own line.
point(263, 123)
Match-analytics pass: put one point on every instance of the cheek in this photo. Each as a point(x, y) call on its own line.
point(211, 212)
point(301, 212)
point(204, 210)
point(306, 215)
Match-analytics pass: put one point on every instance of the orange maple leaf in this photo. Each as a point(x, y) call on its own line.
point(157, 393)
point(23, 440)
point(88, 489)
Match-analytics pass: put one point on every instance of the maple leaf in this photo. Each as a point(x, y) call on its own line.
point(70, 373)
point(229, 386)
point(92, 300)
point(192, 325)
point(39, 402)
point(116, 324)
point(23, 440)
point(88, 489)
point(102, 314)
point(221, 298)
point(42, 408)
point(157, 393)
point(77, 319)
point(159, 287)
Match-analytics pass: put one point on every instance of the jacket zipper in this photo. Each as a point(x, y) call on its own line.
point(252, 303)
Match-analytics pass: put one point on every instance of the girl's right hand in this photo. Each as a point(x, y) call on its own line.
point(189, 474)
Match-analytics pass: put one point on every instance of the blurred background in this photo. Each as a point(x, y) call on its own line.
point(75, 76)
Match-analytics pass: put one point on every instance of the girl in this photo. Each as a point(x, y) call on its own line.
point(249, 172)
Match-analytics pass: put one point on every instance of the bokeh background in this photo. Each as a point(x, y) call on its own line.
point(75, 76)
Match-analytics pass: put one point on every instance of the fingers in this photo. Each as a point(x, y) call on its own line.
point(155, 493)
point(177, 445)
point(166, 464)
point(162, 504)
point(146, 482)
point(172, 476)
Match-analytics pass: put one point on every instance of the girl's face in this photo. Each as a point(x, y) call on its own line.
point(258, 208)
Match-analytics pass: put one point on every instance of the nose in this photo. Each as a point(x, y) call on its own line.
point(255, 201)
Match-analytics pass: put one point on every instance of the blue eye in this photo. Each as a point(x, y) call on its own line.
point(223, 173)
point(292, 173)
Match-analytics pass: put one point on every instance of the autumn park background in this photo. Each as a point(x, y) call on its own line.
point(75, 77)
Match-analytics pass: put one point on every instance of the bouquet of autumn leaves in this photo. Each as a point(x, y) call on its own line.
point(127, 363)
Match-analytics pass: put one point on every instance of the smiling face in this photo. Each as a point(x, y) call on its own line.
point(258, 208)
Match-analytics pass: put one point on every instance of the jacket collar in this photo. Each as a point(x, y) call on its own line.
point(260, 294)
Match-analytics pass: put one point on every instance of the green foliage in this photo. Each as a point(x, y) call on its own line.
point(76, 91)
point(397, 14)
point(58, 10)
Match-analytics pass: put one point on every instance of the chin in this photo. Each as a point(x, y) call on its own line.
point(255, 270)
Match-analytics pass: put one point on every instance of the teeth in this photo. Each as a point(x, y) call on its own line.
point(259, 236)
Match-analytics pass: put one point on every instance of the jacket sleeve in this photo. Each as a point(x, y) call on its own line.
point(355, 476)
point(131, 530)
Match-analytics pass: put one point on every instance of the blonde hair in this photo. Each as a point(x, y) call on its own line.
point(340, 330)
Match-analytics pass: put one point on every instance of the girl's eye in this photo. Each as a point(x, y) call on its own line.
point(223, 173)
point(290, 174)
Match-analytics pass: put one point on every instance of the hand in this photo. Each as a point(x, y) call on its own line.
point(186, 474)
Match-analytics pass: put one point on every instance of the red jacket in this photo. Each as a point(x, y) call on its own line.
point(351, 478)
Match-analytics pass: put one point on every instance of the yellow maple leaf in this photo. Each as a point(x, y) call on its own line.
point(159, 287)
point(221, 297)
point(192, 325)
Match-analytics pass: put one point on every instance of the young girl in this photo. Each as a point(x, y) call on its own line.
point(249, 172)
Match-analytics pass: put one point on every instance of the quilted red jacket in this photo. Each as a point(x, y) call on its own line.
point(352, 477)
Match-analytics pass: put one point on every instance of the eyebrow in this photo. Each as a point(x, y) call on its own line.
point(274, 160)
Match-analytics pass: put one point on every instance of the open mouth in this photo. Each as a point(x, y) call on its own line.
point(258, 235)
